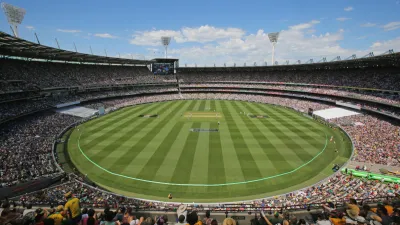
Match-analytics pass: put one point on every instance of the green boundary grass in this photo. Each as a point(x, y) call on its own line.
point(164, 150)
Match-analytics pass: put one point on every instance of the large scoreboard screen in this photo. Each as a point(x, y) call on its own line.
point(163, 68)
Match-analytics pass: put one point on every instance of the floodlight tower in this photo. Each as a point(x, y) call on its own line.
point(165, 41)
point(273, 38)
point(15, 15)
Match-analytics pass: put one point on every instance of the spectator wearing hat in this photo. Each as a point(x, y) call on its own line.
point(276, 219)
point(229, 221)
point(72, 208)
point(182, 211)
point(57, 215)
point(352, 208)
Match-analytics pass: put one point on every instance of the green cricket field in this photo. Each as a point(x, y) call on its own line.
point(206, 150)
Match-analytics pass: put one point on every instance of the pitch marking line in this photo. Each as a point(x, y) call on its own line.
point(202, 185)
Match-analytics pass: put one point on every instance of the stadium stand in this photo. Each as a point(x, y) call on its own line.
point(31, 90)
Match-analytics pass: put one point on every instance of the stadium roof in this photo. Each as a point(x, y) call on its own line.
point(165, 60)
point(13, 46)
point(388, 60)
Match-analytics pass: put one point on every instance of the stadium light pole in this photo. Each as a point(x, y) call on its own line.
point(76, 50)
point(273, 38)
point(37, 39)
point(58, 45)
point(15, 15)
point(165, 42)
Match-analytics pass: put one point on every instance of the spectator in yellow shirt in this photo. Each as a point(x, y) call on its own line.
point(57, 216)
point(73, 208)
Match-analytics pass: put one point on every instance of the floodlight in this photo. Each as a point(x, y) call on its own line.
point(165, 42)
point(15, 15)
point(273, 38)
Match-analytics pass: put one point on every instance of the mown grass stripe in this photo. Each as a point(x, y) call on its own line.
point(100, 152)
point(246, 160)
point(310, 123)
point(275, 136)
point(97, 125)
point(312, 143)
point(165, 171)
point(185, 161)
point(303, 138)
point(199, 173)
point(202, 106)
point(292, 145)
point(131, 153)
point(154, 162)
point(115, 125)
point(271, 151)
point(216, 166)
point(260, 158)
point(233, 172)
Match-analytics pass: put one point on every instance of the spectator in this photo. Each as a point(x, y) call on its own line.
point(193, 219)
point(57, 215)
point(229, 221)
point(41, 215)
point(352, 208)
point(91, 220)
point(322, 220)
point(72, 208)
point(207, 220)
point(181, 220)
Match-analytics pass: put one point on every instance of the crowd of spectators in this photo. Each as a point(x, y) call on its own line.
point(377, 78)
point(343, 198)
point(393, 99)
point(335, 189)
point(26, 144)
point(15, 108)
point(49, 75)
point(26, 147)
point(376, 141)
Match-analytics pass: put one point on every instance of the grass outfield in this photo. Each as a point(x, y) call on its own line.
point(247, 158)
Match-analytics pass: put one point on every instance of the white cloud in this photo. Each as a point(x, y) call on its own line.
point(293, 44)
point(208, 33)
point(383, 46)
point(153, 37)
point(297, 42)
point(391, 26)
point(368, 24)
point(348, 9)
point(342, 19)
point(304, 25)
point(68, 31)
point(200, 34)
point(105, 35)
point(30, 27)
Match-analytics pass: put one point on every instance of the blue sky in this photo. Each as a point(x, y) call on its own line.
point(219, 31)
